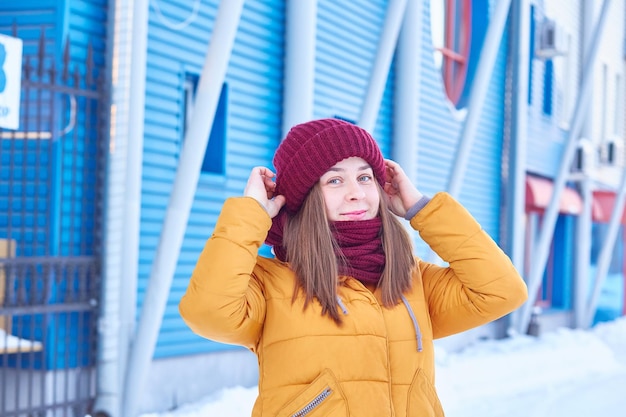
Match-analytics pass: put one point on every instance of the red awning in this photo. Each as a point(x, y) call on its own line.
point(539, 193)
point(605, 201)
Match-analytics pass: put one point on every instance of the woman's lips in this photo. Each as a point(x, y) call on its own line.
point(355, 215)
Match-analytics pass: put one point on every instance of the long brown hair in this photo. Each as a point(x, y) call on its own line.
point(312, 253)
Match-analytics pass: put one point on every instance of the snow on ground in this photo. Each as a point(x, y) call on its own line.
point(569, 373)
point(10, 343)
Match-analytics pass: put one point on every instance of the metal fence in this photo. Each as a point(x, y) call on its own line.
point(51, 172)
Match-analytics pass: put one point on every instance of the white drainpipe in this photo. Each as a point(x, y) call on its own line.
point(380, 70)
point(583, 252)
point(406, 105)
point(299, 83)
point(406, 94)
point(179, 206)
point(584, 223)
point(127, 60)
point(516, 175)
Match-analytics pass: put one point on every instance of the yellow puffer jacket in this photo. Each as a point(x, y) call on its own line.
point(380, 362)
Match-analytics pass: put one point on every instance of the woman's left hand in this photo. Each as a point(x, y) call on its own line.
point(400, 192)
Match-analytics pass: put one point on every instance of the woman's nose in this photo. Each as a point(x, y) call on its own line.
point(355, 191)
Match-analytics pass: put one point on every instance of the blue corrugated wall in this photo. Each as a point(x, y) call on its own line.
point(440, 129)
point(33, 17)
point(347, 41)
point(253, 122)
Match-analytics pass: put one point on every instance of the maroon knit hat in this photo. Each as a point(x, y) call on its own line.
point(312, 148)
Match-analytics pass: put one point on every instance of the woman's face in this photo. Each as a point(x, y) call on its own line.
point(350, 191)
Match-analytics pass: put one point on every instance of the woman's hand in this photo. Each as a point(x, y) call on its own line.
point(261, 187)
point(400, 192)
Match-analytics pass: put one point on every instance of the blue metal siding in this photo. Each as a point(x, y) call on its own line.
point(84, 26)
point(87, 26)
point(82, 21)
point(347, 41)
point(253, 129)
point(440, 129)
point(171, 56)
point(546, 139)
point(484, 172)
point(32, 18)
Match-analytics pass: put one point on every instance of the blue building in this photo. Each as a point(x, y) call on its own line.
point(138, 119)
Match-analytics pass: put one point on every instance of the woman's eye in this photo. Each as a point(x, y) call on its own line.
point(365, 178)
point(334, 181)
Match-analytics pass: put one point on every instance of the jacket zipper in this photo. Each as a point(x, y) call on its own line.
point(314, 403)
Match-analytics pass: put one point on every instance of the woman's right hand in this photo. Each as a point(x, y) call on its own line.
point(261, 187)
point(400, 192)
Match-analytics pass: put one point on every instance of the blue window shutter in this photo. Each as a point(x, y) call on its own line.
point(547, 87)
point(214, 161)
point(214, 158)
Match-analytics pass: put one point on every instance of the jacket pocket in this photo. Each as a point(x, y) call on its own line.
point(322, 397)
point(423, 400)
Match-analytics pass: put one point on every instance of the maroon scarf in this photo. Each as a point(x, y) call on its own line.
point(360, 243)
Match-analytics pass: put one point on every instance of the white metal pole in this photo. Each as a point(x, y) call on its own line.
point(515, 176)
point(541, 250)
point(181, 199)
point(130, 257)
point(299, 82)
point(406, 94)
point(380, 70)
point(584, 222)
point(583, 252)
point(119, 293)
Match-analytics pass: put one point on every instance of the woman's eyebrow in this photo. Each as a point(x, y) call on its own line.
point(361, 168)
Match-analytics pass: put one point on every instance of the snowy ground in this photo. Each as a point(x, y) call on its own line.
point(566, 373)
point(10, 343)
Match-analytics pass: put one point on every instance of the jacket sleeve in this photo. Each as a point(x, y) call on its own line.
point(224, 300)
point(479, 285)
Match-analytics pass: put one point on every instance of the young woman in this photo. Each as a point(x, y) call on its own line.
point(343, 320)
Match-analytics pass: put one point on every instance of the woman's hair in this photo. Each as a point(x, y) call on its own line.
point(312, 253)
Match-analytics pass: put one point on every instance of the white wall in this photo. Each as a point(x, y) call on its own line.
point(607, 115)
point(173, 382)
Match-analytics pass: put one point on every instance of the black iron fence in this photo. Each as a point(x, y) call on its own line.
point(51, 172)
